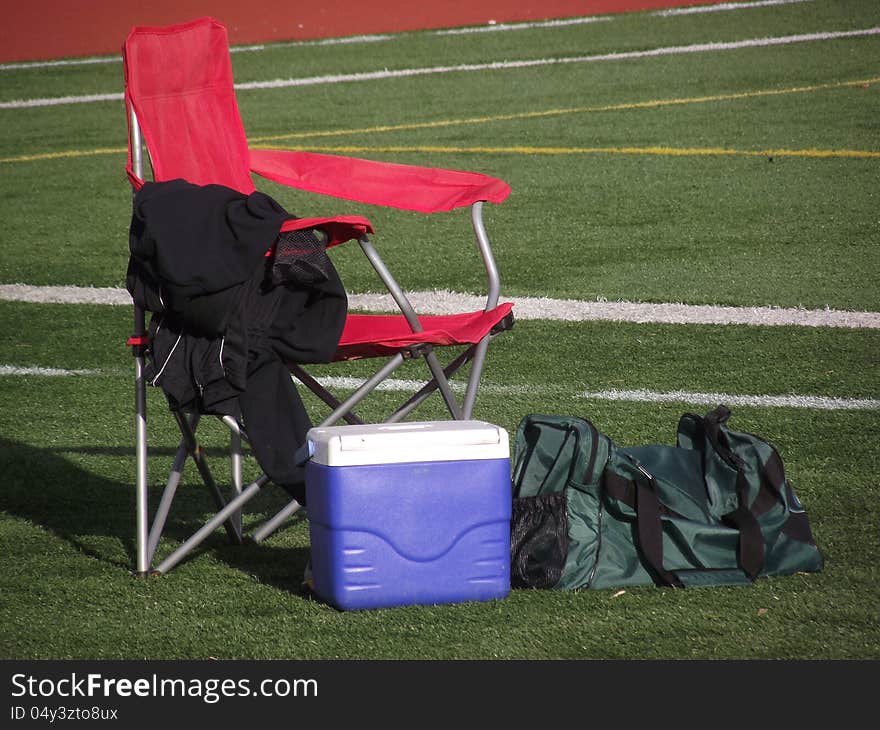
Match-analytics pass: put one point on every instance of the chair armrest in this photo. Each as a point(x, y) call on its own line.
point(409, 187)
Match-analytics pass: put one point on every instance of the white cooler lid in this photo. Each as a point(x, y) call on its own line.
point(416, 441)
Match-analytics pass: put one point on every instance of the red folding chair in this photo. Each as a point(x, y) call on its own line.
point(181, 106)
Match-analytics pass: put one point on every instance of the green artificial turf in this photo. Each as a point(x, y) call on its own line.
point(749, 215)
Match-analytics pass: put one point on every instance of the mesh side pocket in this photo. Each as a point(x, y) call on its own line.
point(538, 540)
point(300, 257)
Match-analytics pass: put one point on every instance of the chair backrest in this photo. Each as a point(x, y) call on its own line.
point(178, 81)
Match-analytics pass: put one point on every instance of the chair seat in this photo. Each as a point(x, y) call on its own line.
point(374, 335)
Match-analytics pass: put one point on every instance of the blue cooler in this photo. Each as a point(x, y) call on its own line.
point(409, 513)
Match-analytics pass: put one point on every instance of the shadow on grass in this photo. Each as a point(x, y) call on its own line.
point(280, 567)
point(43, 487)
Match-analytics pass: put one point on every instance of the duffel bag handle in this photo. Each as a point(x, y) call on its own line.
point(750, 551)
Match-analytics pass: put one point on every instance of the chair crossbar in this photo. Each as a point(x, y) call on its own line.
point(276, 521)
point(431, 386)
point(205, 531)
point(325, 395)
point(198, 456)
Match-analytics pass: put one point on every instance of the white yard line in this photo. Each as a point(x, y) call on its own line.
point(816, 402)
point(538, 62)
point(525, 308)
point(567, 310)
point(89, 61)
point(723, 7)
point(475, 67)
point(380, 37)
point(60, 101)
point(64, 294)
point(494, 27)
point(22, 370)
point(94, 60)
point(576, 310)
point(813, 402)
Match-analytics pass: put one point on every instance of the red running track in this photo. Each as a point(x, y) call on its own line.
point(47, 29)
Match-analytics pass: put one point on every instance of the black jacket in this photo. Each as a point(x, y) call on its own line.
point(221, 330)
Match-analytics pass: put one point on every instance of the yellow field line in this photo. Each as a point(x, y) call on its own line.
point(65, 154)
point(652, 104)
point(660, 151)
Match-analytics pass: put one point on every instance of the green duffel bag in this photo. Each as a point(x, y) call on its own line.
point(715, 509)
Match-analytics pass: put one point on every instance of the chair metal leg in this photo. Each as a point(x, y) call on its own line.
point(235, 465)
point(492, 276)
point(144, 557)
point(470, 395)
point(494, 284)
point(168, 493)
point(141, 487)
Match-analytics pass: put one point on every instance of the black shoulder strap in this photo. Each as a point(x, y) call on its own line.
point(750, 550)
point(649, 526)
point(751, 539)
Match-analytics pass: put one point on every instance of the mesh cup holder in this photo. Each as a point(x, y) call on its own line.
point(300, 256)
